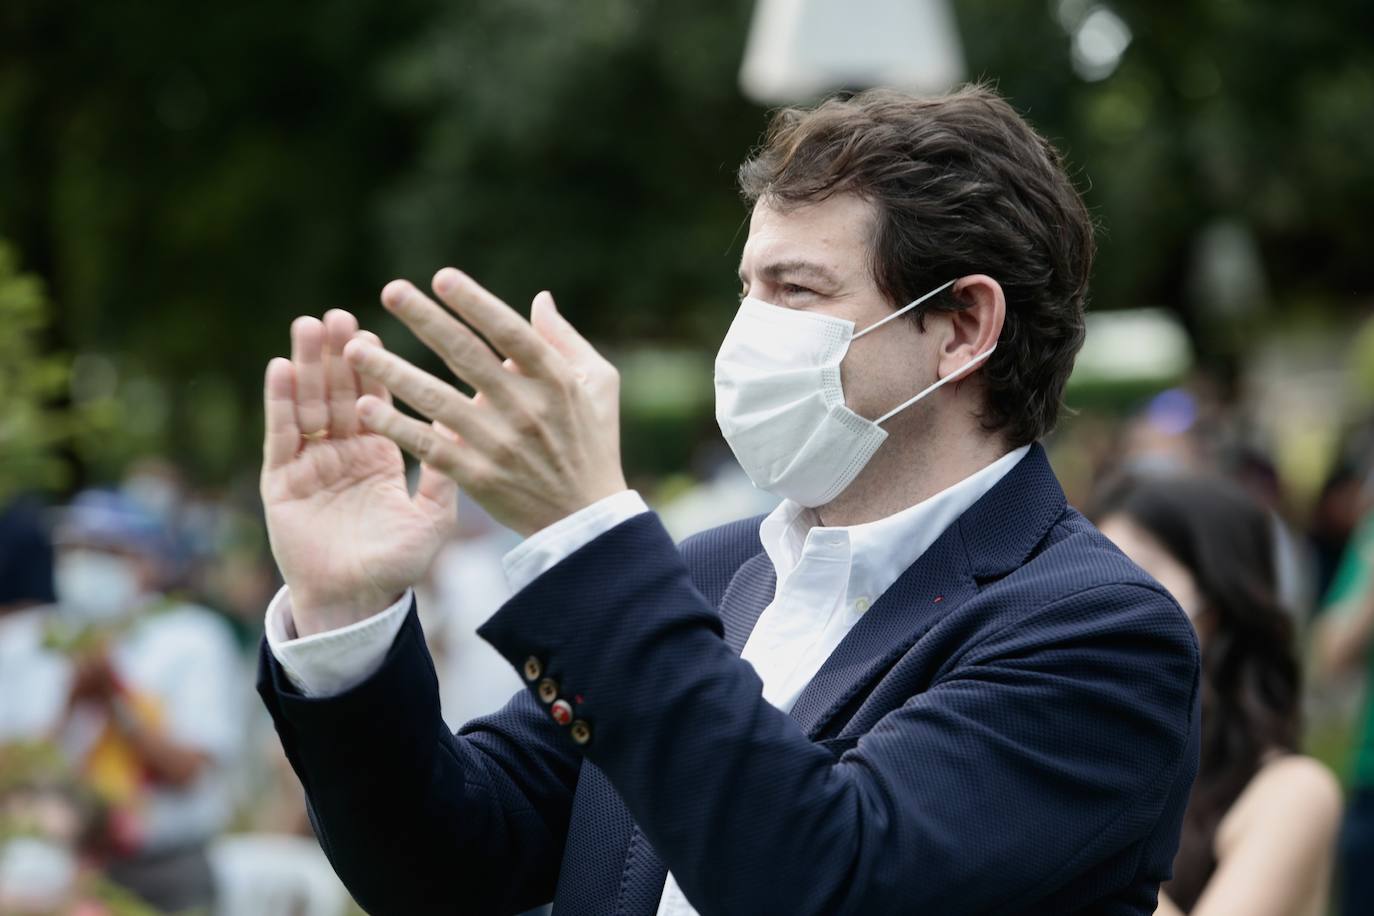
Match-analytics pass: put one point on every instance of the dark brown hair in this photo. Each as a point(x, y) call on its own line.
point(962, 185)
point(1250, 676)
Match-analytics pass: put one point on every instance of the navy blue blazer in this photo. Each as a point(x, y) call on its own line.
point(1011, 728)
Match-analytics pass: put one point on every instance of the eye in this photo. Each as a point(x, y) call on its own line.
point(792, 289)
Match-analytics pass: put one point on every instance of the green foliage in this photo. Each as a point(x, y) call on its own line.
point(30, 427)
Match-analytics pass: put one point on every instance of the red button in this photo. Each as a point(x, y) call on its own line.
point(561, 712)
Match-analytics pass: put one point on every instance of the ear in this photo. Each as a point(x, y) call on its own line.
point(976, 327)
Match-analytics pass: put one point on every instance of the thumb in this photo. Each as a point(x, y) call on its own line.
point(550, 324)
point(438, 494)
point(438, 490)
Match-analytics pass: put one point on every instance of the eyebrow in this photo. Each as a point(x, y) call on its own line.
point(779, 270)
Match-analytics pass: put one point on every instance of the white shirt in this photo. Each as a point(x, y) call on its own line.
point(826, 579)
point(185, 659)
point(330, 662)
point(34, 681)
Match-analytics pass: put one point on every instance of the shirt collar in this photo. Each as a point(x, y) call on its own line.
point(878, 552)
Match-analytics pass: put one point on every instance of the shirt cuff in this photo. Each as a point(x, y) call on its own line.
point(328, 663)
point(550, 546)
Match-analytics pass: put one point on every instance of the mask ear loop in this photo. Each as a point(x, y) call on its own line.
point(948, 378)
point(904, 309)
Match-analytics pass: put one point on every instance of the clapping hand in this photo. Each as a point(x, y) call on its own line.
point(541, 437)
point(347, 535)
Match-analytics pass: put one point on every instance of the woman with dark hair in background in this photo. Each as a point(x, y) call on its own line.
point(1262, 819)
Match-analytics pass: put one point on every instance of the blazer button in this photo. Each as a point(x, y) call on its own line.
point(548, 690)
point(533, 668)
point(581, 732)
point(561, 712)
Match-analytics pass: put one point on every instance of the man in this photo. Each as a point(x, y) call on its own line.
point(954, 696)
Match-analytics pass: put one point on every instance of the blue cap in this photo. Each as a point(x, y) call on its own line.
point(106, 518)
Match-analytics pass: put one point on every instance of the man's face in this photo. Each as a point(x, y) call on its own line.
point(817, 258)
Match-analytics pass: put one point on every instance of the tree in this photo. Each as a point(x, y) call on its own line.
point(31, 428)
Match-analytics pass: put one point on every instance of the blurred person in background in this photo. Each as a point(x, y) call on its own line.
point(26, 590)
point(1181, 431)
point(1261, 822)
point(25, 557)
point(1255, 471)
point(154, 710)
point(38, 825)
point(465, 586)
point(1344, 647)
point(1162, 436)
point(1340, 506)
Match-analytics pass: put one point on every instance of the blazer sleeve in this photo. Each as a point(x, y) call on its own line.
point(414, 818)
point(1046, 748)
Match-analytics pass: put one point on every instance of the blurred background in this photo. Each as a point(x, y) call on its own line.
point(177, 182)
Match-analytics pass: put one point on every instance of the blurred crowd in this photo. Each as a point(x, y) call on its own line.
point(130, 742)
point(138, 773)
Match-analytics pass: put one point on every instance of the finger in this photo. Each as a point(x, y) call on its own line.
point(439, 491)
point(418, 438)
point(497, 322)
point(282, 438)
point(307, 358)
point(435, 399)
point(342, 384)
point(461, 350)
point(549, 323)
point(370, 385)
point(509, 365)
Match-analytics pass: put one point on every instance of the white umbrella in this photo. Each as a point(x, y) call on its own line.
point(801, 49)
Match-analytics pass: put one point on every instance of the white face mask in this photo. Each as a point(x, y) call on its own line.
point(780, 405)
point(93, 585)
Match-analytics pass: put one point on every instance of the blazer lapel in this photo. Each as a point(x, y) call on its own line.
point(993, 537)
point(935, 584)
point(749, 592)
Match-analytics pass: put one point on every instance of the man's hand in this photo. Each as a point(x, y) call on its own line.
point(539, 440)
point(348, 537)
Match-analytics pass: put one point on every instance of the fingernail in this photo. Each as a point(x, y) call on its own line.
point(445, 279)
point(394, 292)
